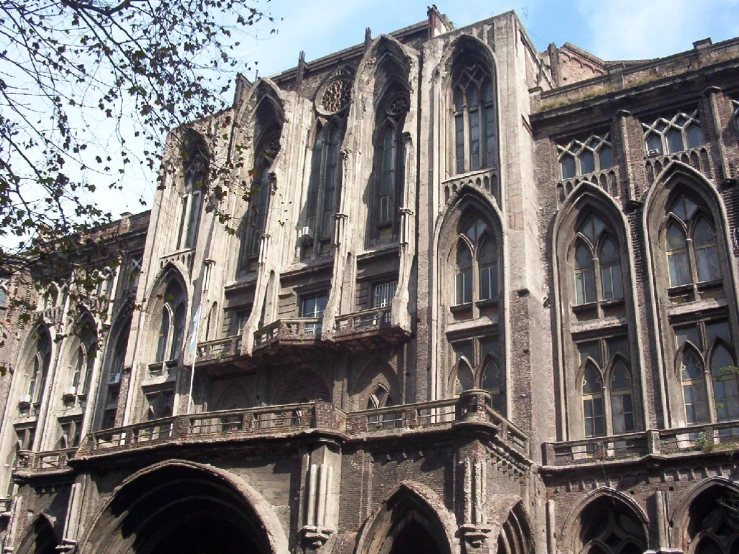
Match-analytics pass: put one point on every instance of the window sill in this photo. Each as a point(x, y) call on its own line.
point(612, 302)
point(487, 302)
point(583, 308)
point(458, 308)
point(710, 285)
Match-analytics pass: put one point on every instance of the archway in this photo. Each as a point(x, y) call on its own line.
point(407, 524)
point(185, 508)
point(39, 539)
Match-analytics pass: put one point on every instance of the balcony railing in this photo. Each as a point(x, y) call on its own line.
point(44, 462)
point(485, 179)
point(307, 329)
point(366, 320)
point(698, 438)
point(243, 424)
point(219, 349)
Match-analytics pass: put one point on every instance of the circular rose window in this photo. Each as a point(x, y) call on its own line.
point(335, 96)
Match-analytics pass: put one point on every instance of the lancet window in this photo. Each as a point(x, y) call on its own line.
point(680, 132)
point(172, 325)
point(195, 170)
point(473, 100)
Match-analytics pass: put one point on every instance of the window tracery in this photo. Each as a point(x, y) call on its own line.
point(476, 263)
point(473, 100)
point(476, 365)
point(609, 527)
point(83, 360)
point(172, 326)
point(195, 169)
point(584, 157)
point(705, 358)
point(668, 136)
point(713, 528)
point(389, 166)
point(260, 192)
point(336, 95)
point(323, 188)
point(40, 368)
point(607, 387)
point(690, 244)
point(597, 263)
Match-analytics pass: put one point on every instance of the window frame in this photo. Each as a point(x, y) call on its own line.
point(169, 342)
point(315, 327)
point(661, 127)
point(477, 367)
point(473, 72)
point(471, 277)
point(574, 150)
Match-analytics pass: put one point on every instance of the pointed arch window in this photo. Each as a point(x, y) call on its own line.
point(608, 526)
point(325, 183)
point(389, 165)
point(83, 360)
point(690, 244)
point(40, 369)
point(476, 365)
point(195, 161)
point(707, 370)
point(607, 387)
point(473, 98)
point(260, 191)
point(172, 324)
point(476, 263)
point(597, 263)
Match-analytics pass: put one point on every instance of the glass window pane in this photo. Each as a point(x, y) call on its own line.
point(587, 162)
point(617, 345)
point(458, 99)
point(589, 350)
point(679, 271)
point(691, 367)
point(620, 378)
point(707, 261)
point(675, 237)
point(473, 97)
point(654, 143)
point(703, 233)
point(717, 329)
point(591, 382)
point(487, 91)
point(491, 376)
point(721, 361)
point(606, 157)
point(674, 141)
point(567, 164)
point(464, 256)
point(464, 375)
point(695, 138)
point(459, 142)
point(583, 257)
point(489, 124)
point(474, 119)
point(687, 333)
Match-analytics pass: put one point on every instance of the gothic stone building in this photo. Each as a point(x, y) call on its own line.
point(480, 299)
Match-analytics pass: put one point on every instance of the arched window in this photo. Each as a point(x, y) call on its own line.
point(473, 96)
point(690, 244)
point(324, 186)
point(592, 403)
point(112, 386)
point(172, 324)
point(260, 191)
point(713, 527)
point(389, 165)
point(476, 365)
point(476, 263)
point(608, 526)
point(607, 387)
point(705, 348)
point(597, 263)
point(195, 158)
point(40, 368)
point(83, 359)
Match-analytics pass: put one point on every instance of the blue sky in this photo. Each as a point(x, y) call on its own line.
point(611, 29)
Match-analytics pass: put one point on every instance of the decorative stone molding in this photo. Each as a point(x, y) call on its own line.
point(316, 532)
point(475, 528)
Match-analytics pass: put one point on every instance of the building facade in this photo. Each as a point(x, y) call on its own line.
point(472, 297)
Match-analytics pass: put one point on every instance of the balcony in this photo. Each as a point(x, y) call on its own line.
point(368, 329)
point(280, 339)
point(223, 355)
point(43, 463)
point(714, 437)
point(482, 179)
point(286, 421)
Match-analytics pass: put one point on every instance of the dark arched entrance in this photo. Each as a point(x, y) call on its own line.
point(179, 508)
point(39, 539)
point(414, 539)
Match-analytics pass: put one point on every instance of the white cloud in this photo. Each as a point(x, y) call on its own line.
point(639, 29)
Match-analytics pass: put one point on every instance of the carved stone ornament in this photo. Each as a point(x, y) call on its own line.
point(334, 96)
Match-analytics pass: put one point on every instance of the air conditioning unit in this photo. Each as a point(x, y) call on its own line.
point(653, 153)
point(71, 392)
point(25, 399)
point(115, 379)
point(306, 233)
